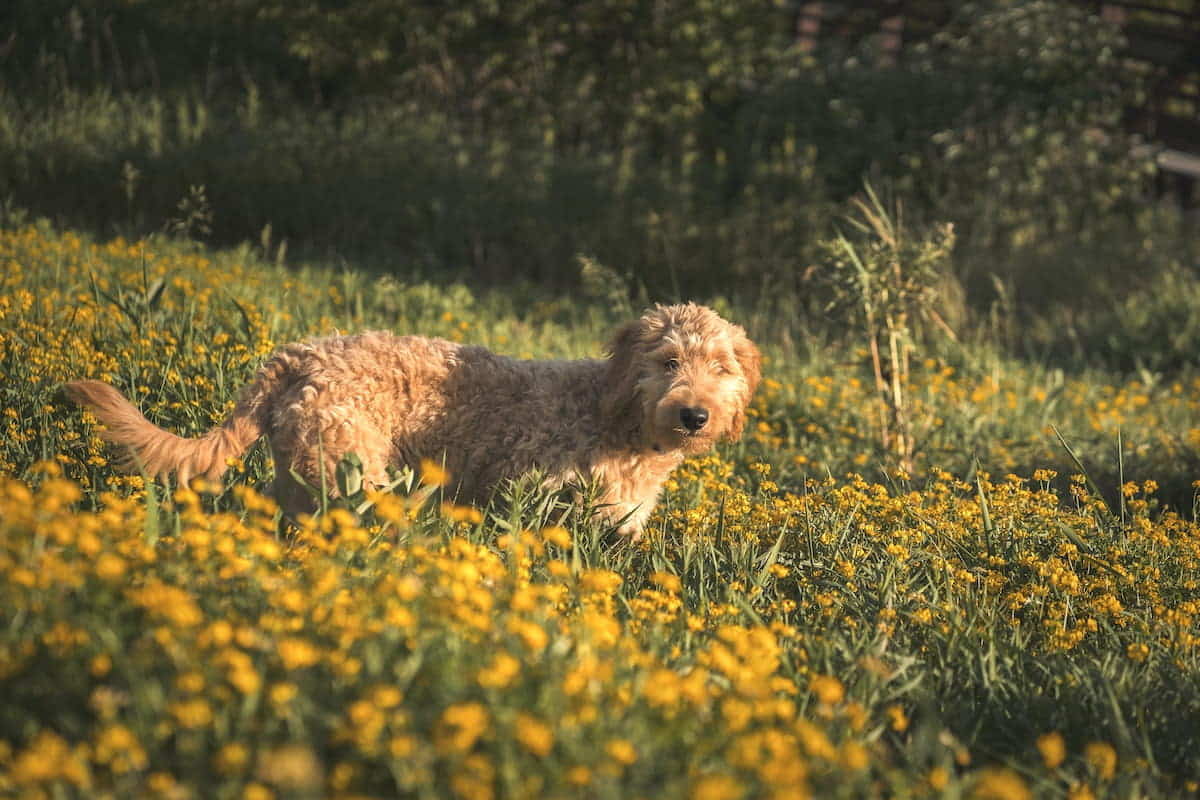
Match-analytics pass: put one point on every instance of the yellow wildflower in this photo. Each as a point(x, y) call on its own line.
point(533, 734)
point(500, 673)
point(460, 726)
point(1053, 749)
point(996, 783)
point(1103, 759)
point(828, 689)
point(622, 751)
point(433, 474)
point(717, 787)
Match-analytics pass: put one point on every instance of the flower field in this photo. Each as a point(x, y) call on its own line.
point(1014, 619)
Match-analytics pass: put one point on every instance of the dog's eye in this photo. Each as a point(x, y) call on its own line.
point(671, 365)
point(720, 368)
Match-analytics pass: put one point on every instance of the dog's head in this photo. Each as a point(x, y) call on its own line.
point(682, 376)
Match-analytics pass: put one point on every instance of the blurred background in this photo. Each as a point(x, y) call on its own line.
point(683, 148)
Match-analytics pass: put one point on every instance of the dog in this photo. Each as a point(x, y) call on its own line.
point(676, 380)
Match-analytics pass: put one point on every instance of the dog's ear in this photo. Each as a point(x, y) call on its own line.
point(620, 381)
point(750, 361)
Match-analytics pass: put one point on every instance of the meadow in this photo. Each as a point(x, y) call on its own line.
point(1014, 617)
point(955, 554)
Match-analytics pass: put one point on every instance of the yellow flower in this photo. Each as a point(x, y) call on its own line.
point(220, 633)
point(662, 688)
point(532, 634)
point(110, 567)
point(195, 713)
point(256, 791)
point(500, 673)
point(190, 682)
point(433, 474)
point(401, 746)
point(47, 757)
point(244, 677)
point(460, 726)
point(292, 766)
point(457, 513)
point(297, 653)
point(667, 581)
point(231, 758)
point(387, 696)
point(579, 775)
point(854, 755)
point(475, 779)
point(600, 581)
point(282, 693)
point(828, 689)
point(1080, 791)
point(162, 784)
point(534, 735)
point(605, 631)
point(364, 714)
point(558, 536)
point(815, 741)
point(996, 783)
point(622, 751)
point(1103, 758)
point(717, 787)
point(1137, 651)
point(737, 713)
point(117, 747)
point(170, 602)
point(1053, 749)
point(100, 665)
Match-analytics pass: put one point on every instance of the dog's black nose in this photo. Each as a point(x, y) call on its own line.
point(693, 418)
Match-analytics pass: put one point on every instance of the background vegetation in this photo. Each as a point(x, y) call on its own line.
point(955, 555)
point(690, 145)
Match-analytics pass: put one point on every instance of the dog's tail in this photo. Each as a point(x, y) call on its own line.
point(161, 452)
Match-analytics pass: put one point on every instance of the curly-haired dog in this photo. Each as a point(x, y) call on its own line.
point(677, 379)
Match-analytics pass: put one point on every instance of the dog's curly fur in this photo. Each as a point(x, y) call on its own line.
point(625, 422)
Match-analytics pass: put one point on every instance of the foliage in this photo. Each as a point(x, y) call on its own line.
point(889, 285)
point(583, 71)
point(688, 144)
point(1151, 332)
point(1054, 188)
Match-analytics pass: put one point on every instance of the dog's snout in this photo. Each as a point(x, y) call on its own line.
point(693, 417)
